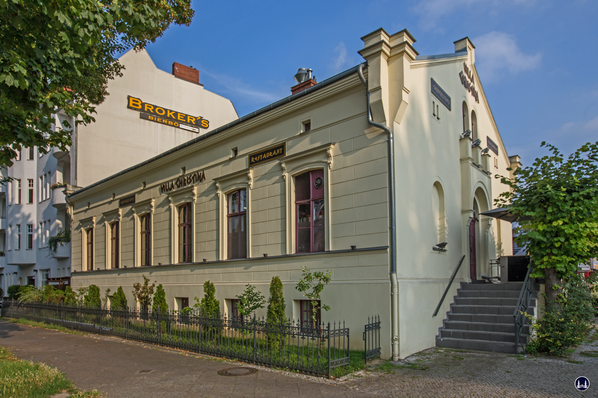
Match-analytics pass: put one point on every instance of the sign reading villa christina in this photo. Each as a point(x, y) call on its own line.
point(128, 200)
point(467, 80)
point(158, 114)
point(267, 154)
point(441, 95)
point(183, 181)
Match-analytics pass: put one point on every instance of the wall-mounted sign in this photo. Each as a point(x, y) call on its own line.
point(267, 154)
point(183, 181)
point(128, 200)
point(442, 96)
point(468, 82)
point(492, 145)
point(166, 116)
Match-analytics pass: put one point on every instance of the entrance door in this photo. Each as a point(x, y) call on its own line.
point(472, 252)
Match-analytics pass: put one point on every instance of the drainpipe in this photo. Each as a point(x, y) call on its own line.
point(394, 295)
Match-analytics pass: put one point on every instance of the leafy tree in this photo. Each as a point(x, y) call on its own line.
point(250, 300)
point(312, 285)
point(60, 54)
point(80, 294)
point(119, 300)
point(13, 292)
point(31, 295)
point(52, 295)
point(276, 314)
point(143, 293)
point(70, 298)
point(92, 298)
point(560, 196)
point(160, 304)
point(209, 306)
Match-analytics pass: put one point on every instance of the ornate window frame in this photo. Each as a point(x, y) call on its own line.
point(110, 217)
point(320, 157)
point(140, 209)
point(226, 184)
point(178, 198)
point(87, 224)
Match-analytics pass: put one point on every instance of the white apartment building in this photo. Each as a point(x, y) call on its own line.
point(176, 108)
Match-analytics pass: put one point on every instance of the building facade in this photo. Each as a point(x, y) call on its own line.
point(377, 174)
point(33, 206)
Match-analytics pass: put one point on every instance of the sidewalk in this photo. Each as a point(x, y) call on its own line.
point(120, 368)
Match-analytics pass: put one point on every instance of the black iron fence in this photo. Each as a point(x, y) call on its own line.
point(314, 350)
point(371, 338)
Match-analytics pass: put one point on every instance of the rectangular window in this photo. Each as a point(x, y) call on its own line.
point(40, 189)
point(30, 153)
point(114, 248)
point(30, 196)
point(45, 275)
point(307, 311)
point(237, 224)
point(89, 247)
point(184, 302)
point(185, 233)
point(18, 199)
point(48, 186)
point(18, 242)
point(309, 207)
point(235, 315)
point(29, 236)
point(146, 238)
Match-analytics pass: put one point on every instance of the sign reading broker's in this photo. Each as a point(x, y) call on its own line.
point(158, 114)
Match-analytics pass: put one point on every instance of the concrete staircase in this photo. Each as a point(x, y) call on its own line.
point(481, 318)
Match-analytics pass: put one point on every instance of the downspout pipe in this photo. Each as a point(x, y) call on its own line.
point(392, 221)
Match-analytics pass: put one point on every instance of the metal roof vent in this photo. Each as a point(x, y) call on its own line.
point(303, 75)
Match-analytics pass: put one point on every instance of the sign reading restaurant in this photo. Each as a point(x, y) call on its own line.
point(442, 96)
point(267, 154)
point(183, 181)
point(158, 114)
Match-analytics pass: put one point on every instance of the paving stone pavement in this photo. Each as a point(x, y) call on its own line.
point(114, 367)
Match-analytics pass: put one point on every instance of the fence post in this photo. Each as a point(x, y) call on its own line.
point(254, 336)
point(126, 322)
point(328, 349)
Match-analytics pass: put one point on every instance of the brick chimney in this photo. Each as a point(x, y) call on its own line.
point(304, 80)
point(185, 72)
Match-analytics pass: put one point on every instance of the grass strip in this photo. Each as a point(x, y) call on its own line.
point(24, 379)
point(42, 325)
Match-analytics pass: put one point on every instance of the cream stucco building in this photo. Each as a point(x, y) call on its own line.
point(388, 203)
point(33, 206)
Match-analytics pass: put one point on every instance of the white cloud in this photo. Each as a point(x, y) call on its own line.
point(341, 58)
point(497, 51)
point(236, 87)
point(591, 125)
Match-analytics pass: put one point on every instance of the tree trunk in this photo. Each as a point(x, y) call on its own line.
point(552, 286)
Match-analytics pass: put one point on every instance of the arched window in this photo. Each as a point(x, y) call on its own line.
point(185, 233)
point(237, 223)
point(474, 126)
point(438, 213)
point(309, 202)
point(465, 117)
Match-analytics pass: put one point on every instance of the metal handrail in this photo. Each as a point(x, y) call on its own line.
point(519, 315)
point(449, 286)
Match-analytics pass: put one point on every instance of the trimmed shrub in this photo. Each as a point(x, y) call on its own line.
point(276, 314)
point(210, 308)
point(92, 298)
point(52, 295)
point(160, 304)
point(13, 292)
point(70, 298)
point(119, 300)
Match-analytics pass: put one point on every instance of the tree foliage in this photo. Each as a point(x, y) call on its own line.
point(250, 300)
point(276, 315)
point(60, 54)
point(119, 300)
point(93, 298)
point(312, 285)
point(209, 306)
point(560, 196)
point(159, 304)
point(143, 293)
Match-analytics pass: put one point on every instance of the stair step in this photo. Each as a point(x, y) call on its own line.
point(486, 318)
point(482, 309)
point(479, 345)
point(508, 302)
point(488, 293)
point(492, 286)
point(483, 326)
point(481, 335)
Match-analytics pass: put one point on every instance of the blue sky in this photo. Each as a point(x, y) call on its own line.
point(536, 58)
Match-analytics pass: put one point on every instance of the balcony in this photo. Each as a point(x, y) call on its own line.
point(61, 155)
point(63, 250)
point(2, 261)
point(58, 197)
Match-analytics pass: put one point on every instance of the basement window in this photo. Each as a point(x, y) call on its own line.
point(306, 126)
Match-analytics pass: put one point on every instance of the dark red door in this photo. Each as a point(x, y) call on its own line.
point(472, 253)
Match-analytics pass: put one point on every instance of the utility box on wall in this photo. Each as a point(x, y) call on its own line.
point(513, 268)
